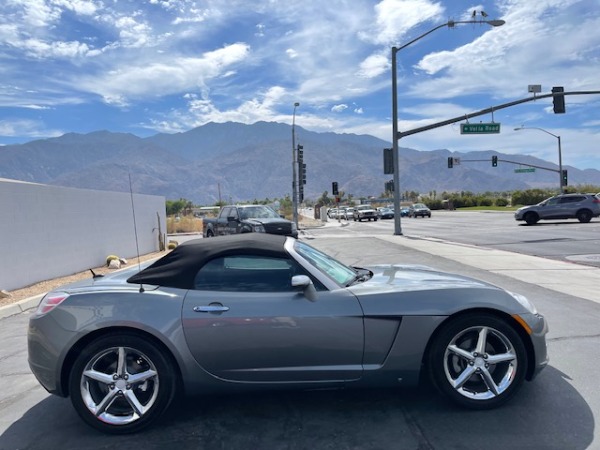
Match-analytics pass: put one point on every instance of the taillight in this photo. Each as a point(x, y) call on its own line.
point(596, 200)
point(50, 301)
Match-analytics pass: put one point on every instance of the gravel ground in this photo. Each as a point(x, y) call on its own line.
point(47, 285)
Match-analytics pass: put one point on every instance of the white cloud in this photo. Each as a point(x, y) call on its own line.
point(168, 76)
point(394, 18)
point(25, 127)
point(339, 108)
point(374, 66)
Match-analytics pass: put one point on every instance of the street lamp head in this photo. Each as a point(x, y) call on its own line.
point(495, 23)
point(518, 128)
point(296, 104)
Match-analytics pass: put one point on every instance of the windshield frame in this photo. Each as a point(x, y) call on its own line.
point(270, 212)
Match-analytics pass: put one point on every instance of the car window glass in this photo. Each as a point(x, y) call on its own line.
point(248, 273)
point(334, 269)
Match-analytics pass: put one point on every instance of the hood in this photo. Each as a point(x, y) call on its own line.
point(396, 278)
point(266, 220)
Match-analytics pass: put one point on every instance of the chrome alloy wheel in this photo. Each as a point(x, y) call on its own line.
point(480, 363)
point(119, 385)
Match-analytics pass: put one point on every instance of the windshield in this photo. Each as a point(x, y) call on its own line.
point(334, 269)
point(258, 212)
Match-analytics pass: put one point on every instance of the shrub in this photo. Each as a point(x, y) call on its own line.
point(110, 258)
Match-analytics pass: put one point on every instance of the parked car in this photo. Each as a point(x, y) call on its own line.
point(582, 207)
point(385, 213)
point(364, 212)
point(258, 311)
point(235, 219)
point(419, 210)
point(404, 211)
point(346, 212)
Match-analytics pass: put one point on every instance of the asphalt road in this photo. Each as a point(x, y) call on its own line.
point(559, 410)
point(566, 240)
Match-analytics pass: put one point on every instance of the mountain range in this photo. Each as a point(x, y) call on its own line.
point(237, 162)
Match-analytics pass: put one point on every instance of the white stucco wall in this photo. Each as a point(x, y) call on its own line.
point(51, 231)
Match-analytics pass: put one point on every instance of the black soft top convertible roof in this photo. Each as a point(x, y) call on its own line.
point(179, 267)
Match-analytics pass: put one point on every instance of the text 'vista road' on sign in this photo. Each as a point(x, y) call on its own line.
point(479, 128)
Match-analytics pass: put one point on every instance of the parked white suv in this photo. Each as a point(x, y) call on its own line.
point(565, 206)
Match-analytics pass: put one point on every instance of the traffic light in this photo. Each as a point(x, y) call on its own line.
point(494, 161)
point(334, 188)
point(558, 101)
point(388, 161)
point(302, 176)
point(450, 162)
point(565, 178)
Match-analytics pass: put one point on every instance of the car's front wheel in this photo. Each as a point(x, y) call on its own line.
point(531, 218)
point(478, 361)
point(121, 383)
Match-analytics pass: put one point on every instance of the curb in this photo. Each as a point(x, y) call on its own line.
point(20, 307)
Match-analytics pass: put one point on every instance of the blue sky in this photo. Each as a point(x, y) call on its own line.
point(145, 67)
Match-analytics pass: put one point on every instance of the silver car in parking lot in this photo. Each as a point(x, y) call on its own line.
point(258, 311)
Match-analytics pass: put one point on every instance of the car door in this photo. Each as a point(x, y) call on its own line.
point(233, 221)
point(550, 209)
point(244, 322)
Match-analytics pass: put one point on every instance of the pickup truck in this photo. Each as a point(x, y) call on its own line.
point(235, 219)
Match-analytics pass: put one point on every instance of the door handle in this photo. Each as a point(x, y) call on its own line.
point(213, 308)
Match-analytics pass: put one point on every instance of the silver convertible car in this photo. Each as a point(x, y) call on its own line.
point(258, 311)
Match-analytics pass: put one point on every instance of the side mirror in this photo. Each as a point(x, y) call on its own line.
point(305, 282)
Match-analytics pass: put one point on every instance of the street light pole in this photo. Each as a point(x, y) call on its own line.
point(294, 164)
point(395, 137)
point(560, 170)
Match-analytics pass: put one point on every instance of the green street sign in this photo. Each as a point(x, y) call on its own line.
point(479, 128)
point(531, 169)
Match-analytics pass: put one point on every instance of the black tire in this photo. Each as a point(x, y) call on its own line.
point(129, 373)
point(531, 218)
point(478, 361)
point(584, 215)
point(210, 233)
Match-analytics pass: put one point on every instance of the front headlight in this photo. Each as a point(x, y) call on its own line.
point(259, 229)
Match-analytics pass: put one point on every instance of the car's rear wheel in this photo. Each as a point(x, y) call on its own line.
point(121, 383)
point(584, 216)
point(478, 361)
point(210, 233)
point(531, 218)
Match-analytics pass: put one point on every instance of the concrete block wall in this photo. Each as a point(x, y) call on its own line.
point(50, 231)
